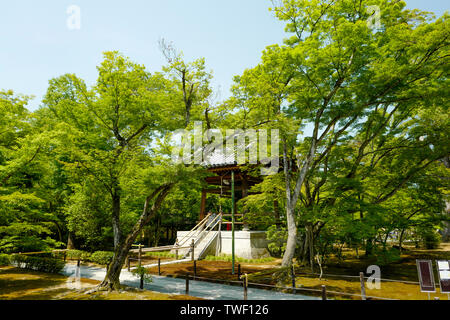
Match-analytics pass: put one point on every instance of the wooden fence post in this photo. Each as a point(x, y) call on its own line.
point(195, 268)
point(159, 266)
point(140, 255)
point(245, 285)
point(363, 288)
point(324, 293)
point(187, 284)
point(192, 249)
point(78, 263)
point(239, 271)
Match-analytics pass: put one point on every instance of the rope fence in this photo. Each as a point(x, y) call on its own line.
point(293, 288)
point(296, 289)
point(357, 277)
point(280, 288)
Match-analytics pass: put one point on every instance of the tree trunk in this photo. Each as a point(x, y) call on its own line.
point(400, 241)
point(385, 240)
point(149, 237)
point(116, 218)
point(112, 278)
point(446, 230)
point(58, 228)
point(369, 247)
point(157, 231)
point(292, 238)
point(311, 247)
point(305, 248)
point(70, 244)
point(291, 202)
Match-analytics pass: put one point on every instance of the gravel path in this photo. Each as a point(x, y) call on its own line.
point(205, 290)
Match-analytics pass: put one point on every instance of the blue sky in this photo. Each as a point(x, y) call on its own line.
point(37, 45)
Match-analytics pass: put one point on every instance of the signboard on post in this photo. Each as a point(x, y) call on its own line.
point(426, 276)
point(443, 267)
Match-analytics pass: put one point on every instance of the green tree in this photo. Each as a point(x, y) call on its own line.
point(188, 85)
point(111, 144)
point(26, 224)
point(346, 84)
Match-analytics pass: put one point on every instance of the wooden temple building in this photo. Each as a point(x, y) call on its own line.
point(220, 181)
point(244, 243)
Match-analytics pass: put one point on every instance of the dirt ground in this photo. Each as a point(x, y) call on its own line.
point(29, 285)
point(405, 269)
point(212, 269)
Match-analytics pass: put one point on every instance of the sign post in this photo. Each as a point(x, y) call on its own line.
point(426, 276)
point(232, 221)
point(443, 267)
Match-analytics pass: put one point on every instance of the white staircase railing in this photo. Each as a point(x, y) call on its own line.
point(191, 234)
point(197, 235)
point(212, 238)
point(211, 221)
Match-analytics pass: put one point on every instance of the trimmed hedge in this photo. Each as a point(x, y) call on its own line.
point(48, 265)
point(4, 259)
point(163, 254)
point(78, 255)
point(228, 258)
point(102, 257)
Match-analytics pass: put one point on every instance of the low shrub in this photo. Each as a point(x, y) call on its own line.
point(4, 259)
point(228, 258)
point(44, 255)
point(385, 256)
point(78, 255)
point(102, 257)
point(164, 254)
point(48, 265)
point(58, 255)
point(143, 274)
point(431, 240)
point(277, 238)
point(19, 261)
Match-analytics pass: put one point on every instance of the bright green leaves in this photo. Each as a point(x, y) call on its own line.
point(24, 225)
point(124, 98)
point(107, 139)
point(363, 78)
point(189, 86)
point(13, 119)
